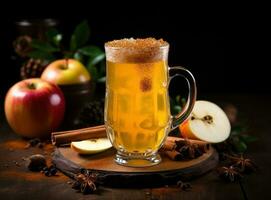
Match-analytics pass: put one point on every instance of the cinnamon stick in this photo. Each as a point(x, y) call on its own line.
point(65, 137)
point(174, 155)
point(169, 145)
point(172, 148)
point(176, 143)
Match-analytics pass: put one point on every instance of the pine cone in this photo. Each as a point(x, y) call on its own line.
point(91, 115)
point(33, 68)
point(22, 45)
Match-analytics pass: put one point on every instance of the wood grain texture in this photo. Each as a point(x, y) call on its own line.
point(117, 176)
point(105, 162)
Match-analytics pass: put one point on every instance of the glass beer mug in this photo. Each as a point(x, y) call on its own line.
point(137, 109)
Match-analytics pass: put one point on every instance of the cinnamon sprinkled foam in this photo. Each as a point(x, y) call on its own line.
point(136, 50)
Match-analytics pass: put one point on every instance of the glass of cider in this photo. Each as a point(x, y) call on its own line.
point(137, 109)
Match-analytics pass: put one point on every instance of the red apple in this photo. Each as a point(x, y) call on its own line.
point(34, 108)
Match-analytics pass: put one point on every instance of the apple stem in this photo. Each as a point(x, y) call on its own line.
point(31, 86)
point(207, 118)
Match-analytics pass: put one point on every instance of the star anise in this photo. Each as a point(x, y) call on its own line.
point(244, 165)
point(188, 150)
point(230, 173)
point(85, 182)
point(184, 186)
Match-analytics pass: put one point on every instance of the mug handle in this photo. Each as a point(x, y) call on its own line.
point(192, 95)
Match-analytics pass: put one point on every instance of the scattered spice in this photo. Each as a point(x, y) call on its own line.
point(16, 163)
point(184, 186)
point(40, 145)
point(49, 171)
point(24, 159)
point(244, 165)
point(36, 142)
point(230, 174)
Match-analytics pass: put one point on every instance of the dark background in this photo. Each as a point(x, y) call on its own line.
point(220, 46)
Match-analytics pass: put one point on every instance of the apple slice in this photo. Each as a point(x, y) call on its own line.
point(207, 122)
point(91, 146)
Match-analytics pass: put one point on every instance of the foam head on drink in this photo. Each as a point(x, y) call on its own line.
point(137, 111)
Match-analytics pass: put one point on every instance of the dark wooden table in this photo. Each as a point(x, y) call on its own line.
point(16, 182)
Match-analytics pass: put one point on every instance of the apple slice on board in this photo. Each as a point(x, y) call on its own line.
point(91, 146)
point(207, 122)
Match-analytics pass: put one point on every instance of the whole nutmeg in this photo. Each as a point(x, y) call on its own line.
point(36, 162)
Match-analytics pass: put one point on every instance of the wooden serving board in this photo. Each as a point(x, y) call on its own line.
point(163, 173)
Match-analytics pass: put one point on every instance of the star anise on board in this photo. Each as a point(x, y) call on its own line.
point(188, 150)
point(230, 173)
point(85, 182)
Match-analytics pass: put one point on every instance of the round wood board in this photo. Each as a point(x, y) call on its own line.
point(104, 163)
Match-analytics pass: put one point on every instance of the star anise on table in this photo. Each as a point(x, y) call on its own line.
point(230, 173)
point(184, 186)
point(244, 165)
point(85, 182)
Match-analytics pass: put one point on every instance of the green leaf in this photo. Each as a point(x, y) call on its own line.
point(248, 138)
point(43, 46)
point(80, 35)
point(51, 33)
point(91, 51)
point(78, 56)
point(240, 146)
point(54, 37)
point(177, 98)
point(183, 101)
point(177, 109)
point(93, 71)
point(57, 39)
point(102, 79)
point(41, 55)
point(97, 59)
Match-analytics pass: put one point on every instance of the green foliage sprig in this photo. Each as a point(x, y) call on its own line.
point(53, 48)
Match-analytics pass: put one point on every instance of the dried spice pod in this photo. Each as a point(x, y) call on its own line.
point(230, 174)
point(36, 162)
point(244, 165)
point(184, 186)
point(85, 182)
point(184, 149)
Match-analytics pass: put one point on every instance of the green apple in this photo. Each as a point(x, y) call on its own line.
point(66, 72)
